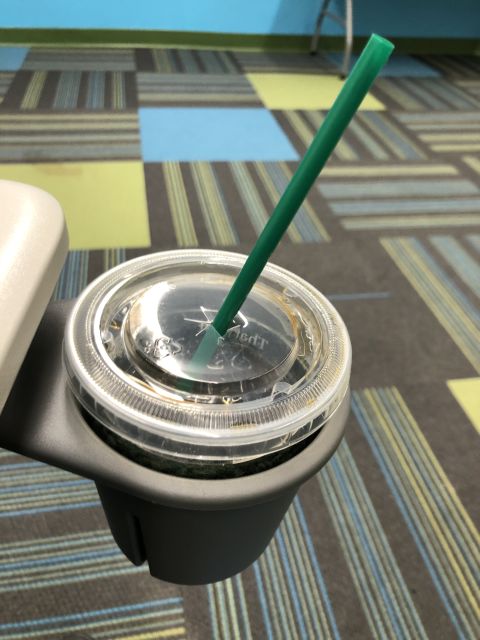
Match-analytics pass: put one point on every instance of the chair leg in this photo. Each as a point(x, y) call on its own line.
point(318, 26)
point(348, 38)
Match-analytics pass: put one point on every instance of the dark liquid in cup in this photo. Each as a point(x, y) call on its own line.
point(219, 470)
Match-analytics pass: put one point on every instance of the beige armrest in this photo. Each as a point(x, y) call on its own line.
point(33, 246)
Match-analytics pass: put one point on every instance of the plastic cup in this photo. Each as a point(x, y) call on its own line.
point(251, 410)
point(273, 380)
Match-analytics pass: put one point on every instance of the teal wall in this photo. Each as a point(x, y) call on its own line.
point(414, 18)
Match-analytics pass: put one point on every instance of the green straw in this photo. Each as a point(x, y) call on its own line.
point(374, 56)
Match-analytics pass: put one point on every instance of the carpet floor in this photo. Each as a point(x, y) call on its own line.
point(152, 149)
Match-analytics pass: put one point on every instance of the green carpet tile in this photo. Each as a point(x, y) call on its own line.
point(383, 542)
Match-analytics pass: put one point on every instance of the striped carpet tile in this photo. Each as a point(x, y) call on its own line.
point(301, 127)
point(412, 205)
point(30, 98)
point(70, 90)
point(225, 198)
point(441, 293)
point(449, 132)
point(251, 199)
point(264, 62)
point(77, 271)
point(473, 162)
point(179, 205)
point(438, 522)
point(213, 204)
point(381, 588)
point(455, 66)
point(149, 620)
point(390, 170)
point(370, 136)
point(41, 563)
point(6, 79)
point(73, 277)
point(33, 488)
point(419, 201)
point(293, 596)
point(465, 267)
point(229, 616)
point(81, 59)
point(470, 85)
point(474, 240)
point(393, 139)
point(275, 176)
point(187, 89)
point(423, 94)
point(186, 61)
point(72, 136)
point(397, 222)
point(113, 257)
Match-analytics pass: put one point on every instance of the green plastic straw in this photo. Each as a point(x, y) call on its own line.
point(374, 56)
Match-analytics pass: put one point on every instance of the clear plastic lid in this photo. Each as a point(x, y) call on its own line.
point(136, 359)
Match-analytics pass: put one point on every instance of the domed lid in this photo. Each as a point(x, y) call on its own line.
point(143, 360)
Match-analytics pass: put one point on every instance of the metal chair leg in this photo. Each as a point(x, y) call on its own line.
point(318, 27)
point(348, 38)
point(346, 23)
